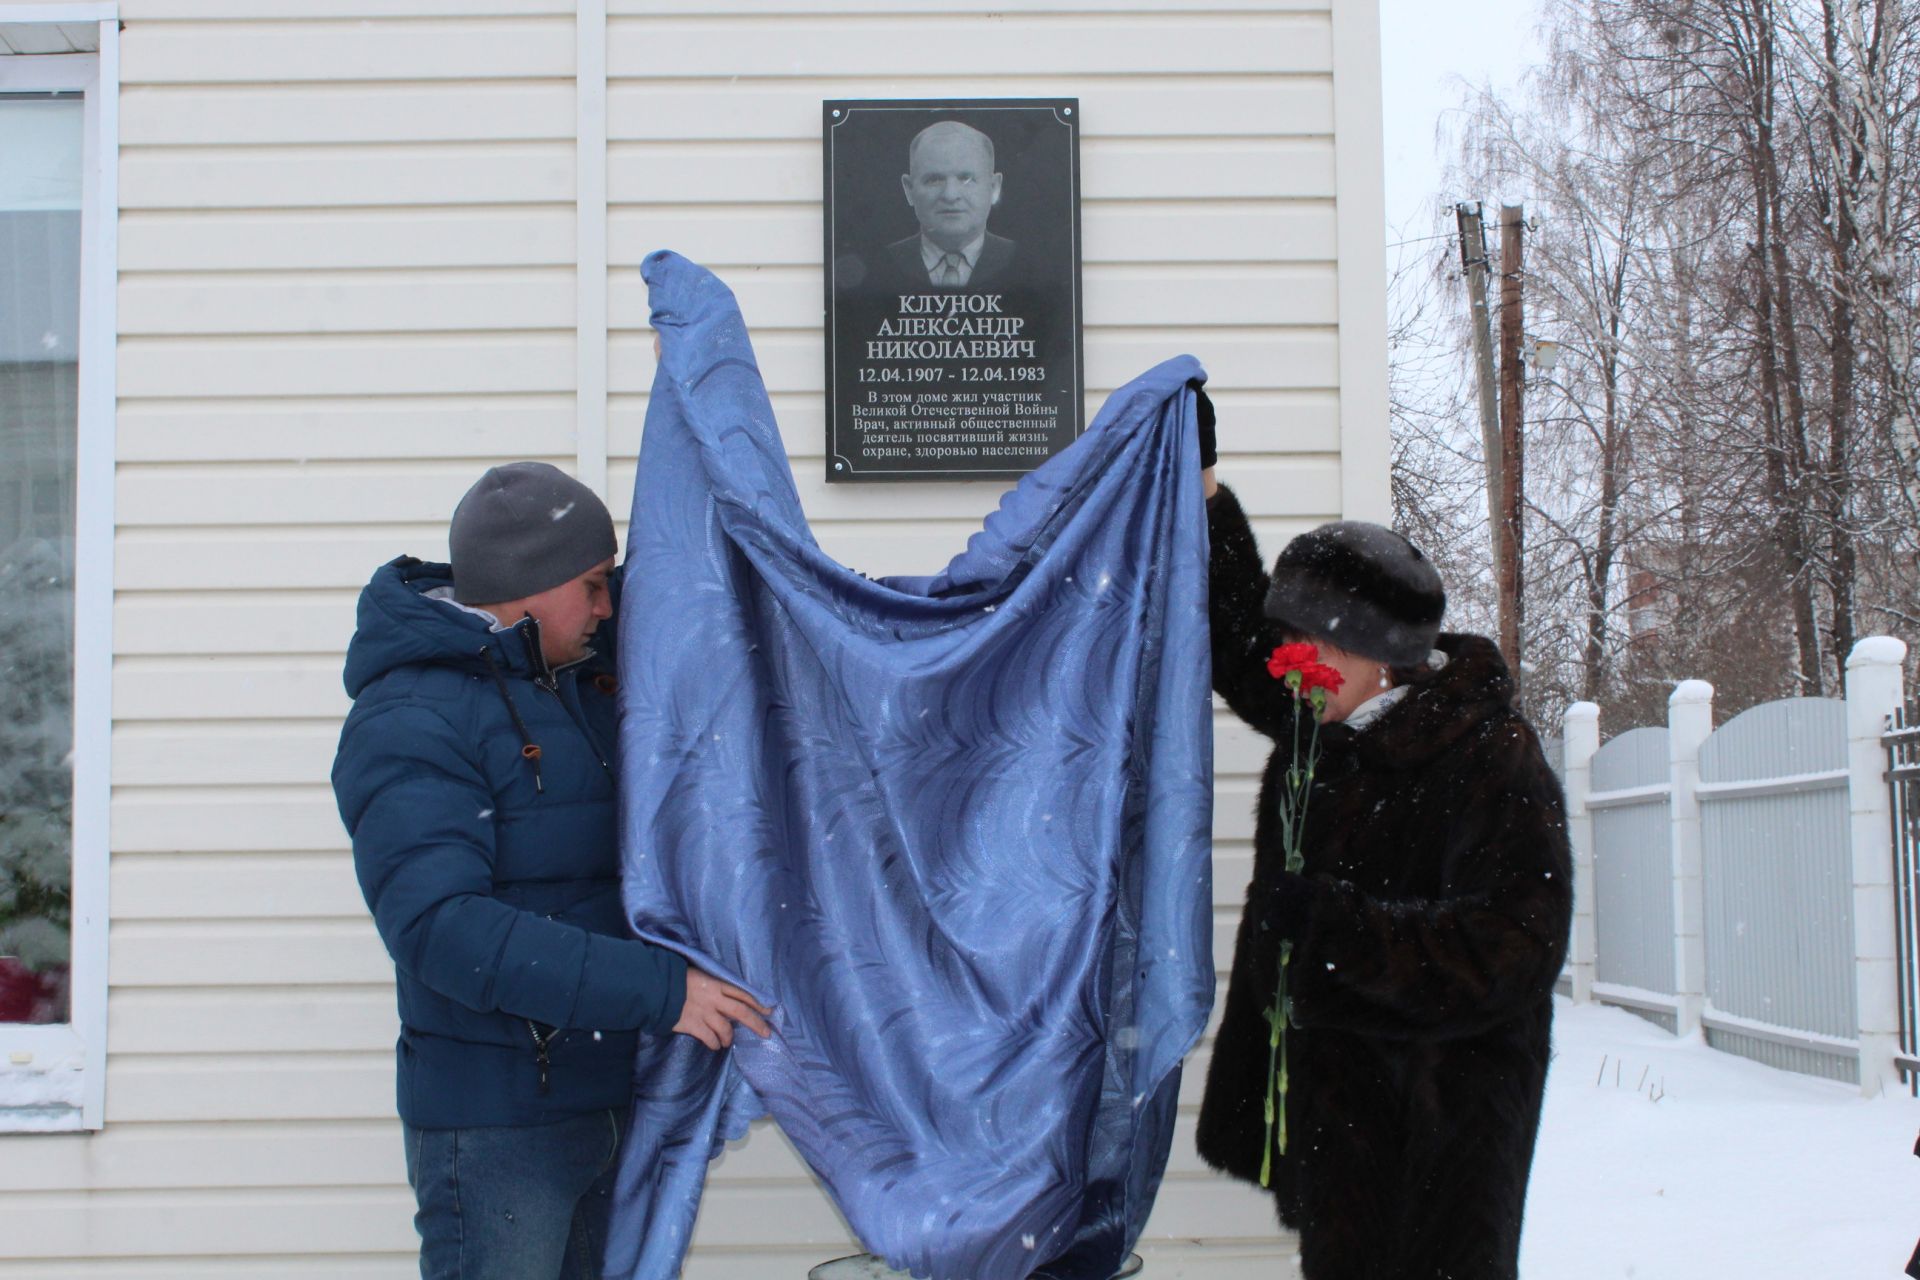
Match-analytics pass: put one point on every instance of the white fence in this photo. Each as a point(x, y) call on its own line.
point(1740, 882)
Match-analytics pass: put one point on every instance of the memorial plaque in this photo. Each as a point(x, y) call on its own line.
point(952, 286)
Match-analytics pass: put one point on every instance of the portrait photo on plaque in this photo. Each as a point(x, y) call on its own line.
point(952, 286)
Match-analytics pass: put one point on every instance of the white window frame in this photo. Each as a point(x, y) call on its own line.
point(38, 1063)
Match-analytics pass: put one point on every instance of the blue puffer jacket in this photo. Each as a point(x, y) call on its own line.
point(492, 869)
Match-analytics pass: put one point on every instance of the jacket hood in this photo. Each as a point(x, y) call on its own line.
point(398, 624)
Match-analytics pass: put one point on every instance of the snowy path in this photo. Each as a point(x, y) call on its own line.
point(1738, 1170)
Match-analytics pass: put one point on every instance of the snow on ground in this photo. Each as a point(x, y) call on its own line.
point(1678, 1162)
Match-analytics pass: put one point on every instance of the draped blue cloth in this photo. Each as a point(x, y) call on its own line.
point(955, 829)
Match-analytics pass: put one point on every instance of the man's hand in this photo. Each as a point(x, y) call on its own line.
point(713, 1007)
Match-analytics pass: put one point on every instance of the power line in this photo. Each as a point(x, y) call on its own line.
point(1444, 235)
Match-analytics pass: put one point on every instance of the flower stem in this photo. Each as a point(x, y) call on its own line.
point(1276, 1033)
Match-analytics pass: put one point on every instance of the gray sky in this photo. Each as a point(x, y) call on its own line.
point(1427, 51)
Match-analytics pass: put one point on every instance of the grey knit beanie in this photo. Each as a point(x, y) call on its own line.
point(1360, 587)
point(525, 527)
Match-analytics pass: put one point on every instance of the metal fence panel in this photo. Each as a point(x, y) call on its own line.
point(1903, 778)
point(1632, 876)
point(1637, 758)
point(1778, 882)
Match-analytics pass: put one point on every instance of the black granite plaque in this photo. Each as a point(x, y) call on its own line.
point(953, 286)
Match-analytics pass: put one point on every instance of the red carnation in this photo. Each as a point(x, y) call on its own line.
point(1318, 675)
point(1289, 658)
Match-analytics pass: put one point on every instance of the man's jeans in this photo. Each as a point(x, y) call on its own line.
point(514, 1203)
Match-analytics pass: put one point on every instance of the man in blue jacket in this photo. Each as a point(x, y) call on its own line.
point(476, 776)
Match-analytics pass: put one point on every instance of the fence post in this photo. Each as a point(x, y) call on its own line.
point(1579, 739)
point(1873, 693)
point(1689, 725)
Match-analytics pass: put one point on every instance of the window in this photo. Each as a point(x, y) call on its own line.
point(40, 138)
point(56, 468)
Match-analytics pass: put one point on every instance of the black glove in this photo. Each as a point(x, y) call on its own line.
point(1203, 407)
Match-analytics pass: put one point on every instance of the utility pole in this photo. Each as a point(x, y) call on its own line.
point(1473, 266)
point(1507, 563)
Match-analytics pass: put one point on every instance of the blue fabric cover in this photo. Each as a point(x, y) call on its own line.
point(956, 829)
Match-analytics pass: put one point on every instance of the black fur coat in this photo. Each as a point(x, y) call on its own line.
point(1428, 929)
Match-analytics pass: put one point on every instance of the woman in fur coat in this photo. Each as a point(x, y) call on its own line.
point(1428, 926)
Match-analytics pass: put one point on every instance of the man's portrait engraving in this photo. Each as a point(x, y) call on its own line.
point(953, 286)
point(952, 185)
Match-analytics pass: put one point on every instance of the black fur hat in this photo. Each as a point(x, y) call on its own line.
point(1360, 587)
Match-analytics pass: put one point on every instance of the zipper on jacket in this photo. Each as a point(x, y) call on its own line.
point(540, 1042)
point(543, 675)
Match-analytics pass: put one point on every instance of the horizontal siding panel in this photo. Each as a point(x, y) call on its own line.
point(1266, 487)
point(224, 953)
point(230, 1021)
point(311, 1220)
point(1232, 873)
point(208, 687)
point(483, 428)
point(251, 820)
point(297, 1087)
point(1113, 107)
point(174, 1157)
point(1185, 169)
point(322, 623)
point(347, 239)
point(254, 11)
point(248, 885)
point(382, 1265)
point(1290, 358)
point(722, 237)
point(356, 302)
point(227, 116)
point(405, 49)
point(1250, 293)
point(669, 174)
point(316, 177)
point(205, 368)
point(202, 559)
point(1298, 231)
point(1239, 751)
point(1275, 534)
point(1233, 808)
point(1002, 44)
point(222, 755)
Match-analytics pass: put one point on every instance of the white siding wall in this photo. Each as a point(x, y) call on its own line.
point(348, 284)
